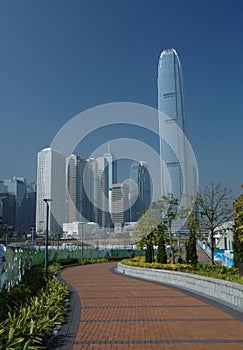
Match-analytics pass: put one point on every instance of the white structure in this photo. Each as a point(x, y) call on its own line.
point(75, 197)
point(96, 186)
point(77, 229)
point(129, 227)
point(224, 236)
point(72, 230)
point(50, 185)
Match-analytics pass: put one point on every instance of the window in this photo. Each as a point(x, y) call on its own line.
point(171, 120)
point(169, 94)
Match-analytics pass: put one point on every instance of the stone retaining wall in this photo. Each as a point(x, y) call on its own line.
point(223, 291)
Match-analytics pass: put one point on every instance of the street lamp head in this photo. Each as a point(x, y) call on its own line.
point(46, 200)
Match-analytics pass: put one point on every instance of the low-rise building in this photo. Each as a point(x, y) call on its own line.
point(224, 236)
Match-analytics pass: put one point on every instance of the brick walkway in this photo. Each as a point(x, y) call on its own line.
point(202, 257)
point(122, 313)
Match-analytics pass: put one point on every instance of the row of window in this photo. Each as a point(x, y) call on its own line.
point(169, 94)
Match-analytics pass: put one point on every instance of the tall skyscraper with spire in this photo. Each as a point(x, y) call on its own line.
point(171, 103)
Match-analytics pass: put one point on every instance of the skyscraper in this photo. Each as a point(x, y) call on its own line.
point(101, 185)
point(171, 102)
point(7, 209)
point(96, 184)
point(30, 209)
point(140, 195)
point(75, 197)
point(17, 187)
point(120, 205)
point(111, 179)
point(88, 179)
point(100, 174)
point(50, 185)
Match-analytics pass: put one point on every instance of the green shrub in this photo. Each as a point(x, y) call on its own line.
point(92, 261)
point(28, 326)
point(214, 271)
point(31, 309)
point(69, 261)
point(53, 268)
point(32, 282)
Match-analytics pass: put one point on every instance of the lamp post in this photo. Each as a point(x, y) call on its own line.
point(82, 237)
point(46, 242)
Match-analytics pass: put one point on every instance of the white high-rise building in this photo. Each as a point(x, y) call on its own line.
point(171, 102)
point(75, 195)
point(101, 189)
point(50, 185)
point(97, 179)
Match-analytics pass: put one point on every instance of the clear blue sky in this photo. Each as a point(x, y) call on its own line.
point(58, 58)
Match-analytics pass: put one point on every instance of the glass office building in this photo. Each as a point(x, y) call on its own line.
point(99, 177)
point(142, 192)
point(18, 187)
point(75, 194)
point(171, 102)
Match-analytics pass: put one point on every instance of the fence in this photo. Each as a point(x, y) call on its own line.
point(17, 261)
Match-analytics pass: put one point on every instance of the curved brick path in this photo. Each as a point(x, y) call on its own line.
point(122, 313)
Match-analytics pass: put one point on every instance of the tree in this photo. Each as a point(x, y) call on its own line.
point(169, 211)
point(191, 249)
point(163, 212)
point(215, 208)
point(148, 241)
point(144, 232)
point(149, 255)
point(147, 222)
point(161, 256)
point(191, 244)
point(238, 230)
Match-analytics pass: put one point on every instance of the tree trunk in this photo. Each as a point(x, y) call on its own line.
point(161, 256)
point(171, 246)
point(191, 249)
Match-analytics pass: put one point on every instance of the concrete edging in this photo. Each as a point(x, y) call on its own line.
point(223, 291)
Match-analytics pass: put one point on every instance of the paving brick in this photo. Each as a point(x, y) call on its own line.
point(122, 313)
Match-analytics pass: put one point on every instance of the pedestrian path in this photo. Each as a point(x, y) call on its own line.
point(202, 256)
point(122, 313)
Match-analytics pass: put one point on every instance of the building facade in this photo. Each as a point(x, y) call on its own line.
point(75, 195)
point(73, 230)
point(171, 102)
point(120, 205)
point(18, 202)
point(111, 179)
point(50, 185)
point(7, 210)
point(100, 174)
point(140, 194)
point(30, 210)
point(18, 187)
